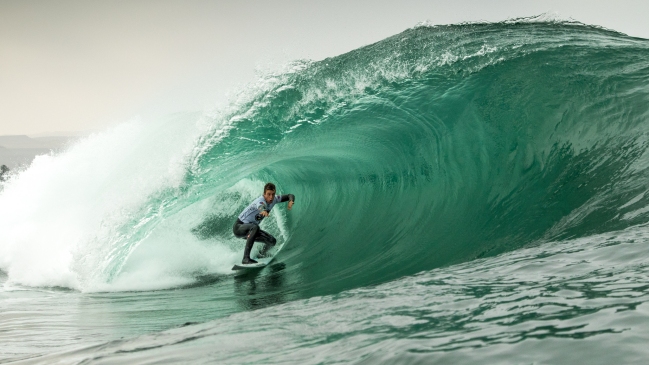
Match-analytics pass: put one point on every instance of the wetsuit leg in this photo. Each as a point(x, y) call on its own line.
point(268, 240)
point(241, 230)
point(249, 231)
point(253, 234)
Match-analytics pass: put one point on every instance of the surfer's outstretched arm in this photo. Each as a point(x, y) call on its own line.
point(290, 198)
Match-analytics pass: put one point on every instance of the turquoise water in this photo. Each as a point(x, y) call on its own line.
point(464, 193)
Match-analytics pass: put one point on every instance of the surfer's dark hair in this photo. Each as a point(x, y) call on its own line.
point(269, 186)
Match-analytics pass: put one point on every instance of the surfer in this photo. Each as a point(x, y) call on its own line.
point(3, 170)
point(247, 225)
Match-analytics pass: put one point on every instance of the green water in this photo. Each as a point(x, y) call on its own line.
point(465, 193)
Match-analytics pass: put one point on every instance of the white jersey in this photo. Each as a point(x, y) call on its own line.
point(252, 213)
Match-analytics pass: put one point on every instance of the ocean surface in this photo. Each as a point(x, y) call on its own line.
point(465, 194)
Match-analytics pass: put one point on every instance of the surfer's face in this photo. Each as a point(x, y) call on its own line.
point(269, 195)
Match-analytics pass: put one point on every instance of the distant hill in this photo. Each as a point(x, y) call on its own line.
point(19, 150)
point(21, 141)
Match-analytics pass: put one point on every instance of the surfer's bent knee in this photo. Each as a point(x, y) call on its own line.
point(254, 229)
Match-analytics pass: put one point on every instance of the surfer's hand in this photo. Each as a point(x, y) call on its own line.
point(264, 213)
point(290, 205)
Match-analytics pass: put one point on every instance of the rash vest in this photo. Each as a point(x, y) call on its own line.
point(252, 213)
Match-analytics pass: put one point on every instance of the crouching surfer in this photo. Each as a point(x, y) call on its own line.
point(247, 225)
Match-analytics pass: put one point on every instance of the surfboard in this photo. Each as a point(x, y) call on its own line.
point(261, 261)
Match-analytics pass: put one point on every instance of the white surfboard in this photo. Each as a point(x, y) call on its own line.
point(261, 261)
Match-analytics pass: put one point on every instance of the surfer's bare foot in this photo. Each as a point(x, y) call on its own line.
point(247, 261)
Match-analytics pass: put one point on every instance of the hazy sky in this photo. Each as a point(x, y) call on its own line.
point(80, 65)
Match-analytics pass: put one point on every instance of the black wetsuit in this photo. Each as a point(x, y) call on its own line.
point(247, 225)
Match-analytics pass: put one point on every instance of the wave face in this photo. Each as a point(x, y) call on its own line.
point(433, 147)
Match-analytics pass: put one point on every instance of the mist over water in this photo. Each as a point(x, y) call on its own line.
point(432, 172)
